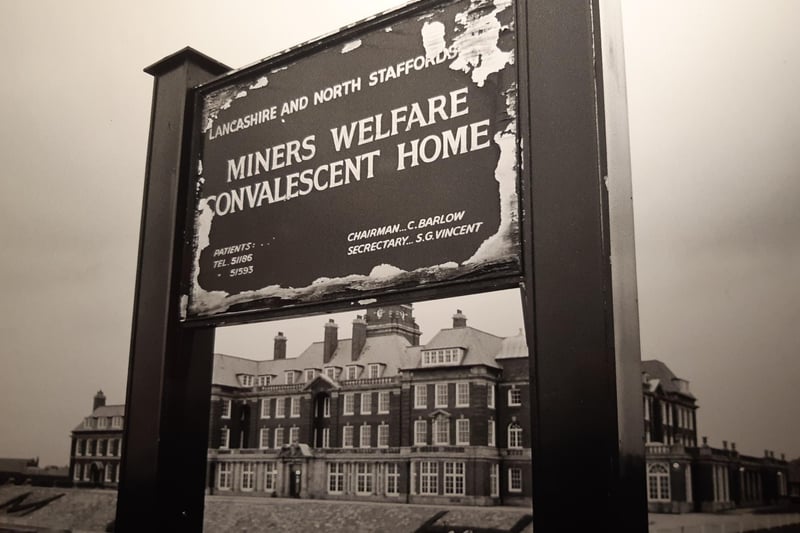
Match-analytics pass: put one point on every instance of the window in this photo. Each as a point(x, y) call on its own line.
point(647, 402)
point(441, 395)
point(326, 406)
point(224, 474)
point(441, 430)
point(270, 476)
point(289, 376)
point(88, 422)
point(462, 394)
point(248, 476)
point(265, 407)
point(79, 445)
point(101, 447)
point(462, 431)
point(374, 370)
point(446, 356)
point(87, 472)
point(494, 481)
point(383, 402)
point(102, 422)
point(310, 375)
point(326, 437)
point(294, 407)
point(280, 407)
point(420, 432)
point(420, 396)
point(246, 380)
point(490, 396)
point(226, 408)
point(658, 482)
point(294, 435)
point(263, 438)
point(514, 480)
point(366, 403)
point(490, 437)
point(349, 404)
point(335, 478)
point(90, 447)
point(264, 380)
point(224, 438)
point(347, 437)
point(278, 437)
point(383, 436)
point(393, 478)
point(514, 397)
point(364, 478)
point(364, 436)
point(352, 372)
point(454, 479)
point(331, 372)
point(76, 475)
point(514, 435)
point(429, 477)
point(116, 422)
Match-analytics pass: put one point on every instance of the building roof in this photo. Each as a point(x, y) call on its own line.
point(659, 374)
point(100, 412)
point(481, 348)
point(394, 350)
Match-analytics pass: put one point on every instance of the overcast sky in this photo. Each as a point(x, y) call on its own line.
point(715, 141)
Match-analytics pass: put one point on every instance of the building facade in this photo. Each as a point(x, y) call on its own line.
point(683, 476)
point(96, 445)
point(377, 417)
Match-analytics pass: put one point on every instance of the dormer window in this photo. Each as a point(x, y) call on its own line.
point(442, 357)
point(375, 370)
point(246, 380)
point(264, 380)
point(353, 371)
point(102, 422)
point(89, 422)
point(332, 372)
point(116, 422)
point(290, 376)
point(311, 373)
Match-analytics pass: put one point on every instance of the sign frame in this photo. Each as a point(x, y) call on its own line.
point(255, 310)
point(578, 286)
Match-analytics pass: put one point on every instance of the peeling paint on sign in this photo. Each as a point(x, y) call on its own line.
point(361, 168)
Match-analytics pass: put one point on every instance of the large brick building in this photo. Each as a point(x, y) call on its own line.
point(377, 416)
point(96, 445)
point(684, 477)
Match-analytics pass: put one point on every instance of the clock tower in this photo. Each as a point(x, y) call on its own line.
point(393, 320)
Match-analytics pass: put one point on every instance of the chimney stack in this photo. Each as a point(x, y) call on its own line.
point(331, 341)
point(733, 446)
point(99, 400)
point(359, 337)
point(724, 445)
point(705, 441)
point(459, 319)
point(280, 347)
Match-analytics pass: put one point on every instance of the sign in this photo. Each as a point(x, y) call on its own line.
point(383, 160)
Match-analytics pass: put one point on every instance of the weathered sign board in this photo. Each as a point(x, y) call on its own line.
point(387, 161)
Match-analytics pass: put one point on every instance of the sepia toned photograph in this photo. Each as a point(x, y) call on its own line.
point(439, 266)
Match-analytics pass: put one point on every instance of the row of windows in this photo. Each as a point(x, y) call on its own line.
point(683, 417)
point(247, 481)
point(363, 478)
point(441, 400)
point(374, 370)
point(83, 472)
point(98, 447)
point(440, 435)
point(447, 356)
point(102, 422)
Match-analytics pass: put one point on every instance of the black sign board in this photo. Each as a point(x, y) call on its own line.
point(386, 161)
